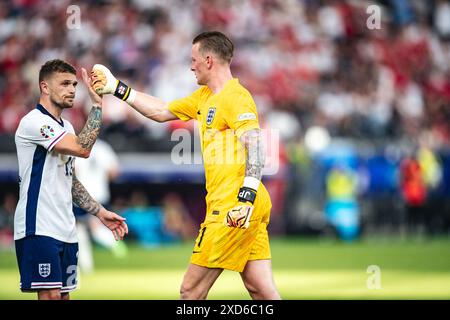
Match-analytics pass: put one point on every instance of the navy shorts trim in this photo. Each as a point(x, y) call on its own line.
point(46, 263)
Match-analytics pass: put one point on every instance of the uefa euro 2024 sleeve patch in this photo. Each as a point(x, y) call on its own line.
point(47, 131)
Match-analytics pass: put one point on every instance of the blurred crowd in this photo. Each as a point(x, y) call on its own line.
point(306, 62)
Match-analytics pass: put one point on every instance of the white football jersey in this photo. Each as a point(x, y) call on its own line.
point(45, 201)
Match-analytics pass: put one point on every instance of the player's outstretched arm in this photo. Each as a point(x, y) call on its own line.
point(149, 106)
point(81, 145)
point(83, 199)
point(240, 215)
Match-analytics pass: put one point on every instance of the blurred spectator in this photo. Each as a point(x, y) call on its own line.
point(414, 193)
point(154, 226)
point(430, 166)
point(342, 210)
point(432, 172)
point(442, 18)
point(177, 221)
point(145, 223)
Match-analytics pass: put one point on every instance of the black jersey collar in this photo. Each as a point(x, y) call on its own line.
point(41, 108)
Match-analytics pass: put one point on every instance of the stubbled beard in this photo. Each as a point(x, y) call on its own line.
point(61, 104)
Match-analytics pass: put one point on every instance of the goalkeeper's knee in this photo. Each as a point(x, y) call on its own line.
point(104, 82)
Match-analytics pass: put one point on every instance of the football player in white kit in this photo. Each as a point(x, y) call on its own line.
point(44, 224)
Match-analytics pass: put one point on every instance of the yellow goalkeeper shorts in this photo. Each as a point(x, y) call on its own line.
point(220, 246)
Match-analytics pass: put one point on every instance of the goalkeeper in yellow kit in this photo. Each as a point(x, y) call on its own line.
point(234, 234)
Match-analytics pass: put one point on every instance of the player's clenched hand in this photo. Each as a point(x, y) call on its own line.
point(114, 222)
point(95, 97)
point(239, 216)
point(102, 80)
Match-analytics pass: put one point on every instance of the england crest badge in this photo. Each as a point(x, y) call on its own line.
point(210, 115)
point(44, 269)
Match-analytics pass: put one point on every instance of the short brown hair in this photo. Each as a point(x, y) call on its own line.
point(55, 65)
point(216, 42)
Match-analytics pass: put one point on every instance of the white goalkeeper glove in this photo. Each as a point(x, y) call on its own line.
point(103, 82)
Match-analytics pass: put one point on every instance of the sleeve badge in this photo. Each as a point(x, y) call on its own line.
point(47, 131)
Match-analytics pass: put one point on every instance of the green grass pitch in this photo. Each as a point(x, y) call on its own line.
point(303, 269)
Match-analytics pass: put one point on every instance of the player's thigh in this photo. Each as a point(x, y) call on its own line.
point(220, 246)
point(199, 278)
point(260, 249)
point(258, 276)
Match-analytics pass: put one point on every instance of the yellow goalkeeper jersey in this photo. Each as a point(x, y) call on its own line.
point(222, 118)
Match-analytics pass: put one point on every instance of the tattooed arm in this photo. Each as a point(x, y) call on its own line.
point(91, 129)
point(255, 154)
point(81, 145)
point(255, 160)
point(83, 199)
point(240, 215)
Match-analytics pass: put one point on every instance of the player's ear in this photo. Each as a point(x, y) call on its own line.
point(43, 85)
point(209, 61)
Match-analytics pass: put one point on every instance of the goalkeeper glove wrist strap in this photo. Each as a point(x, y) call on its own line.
point(246, 194)
point(122, 91)
point(252, 183)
